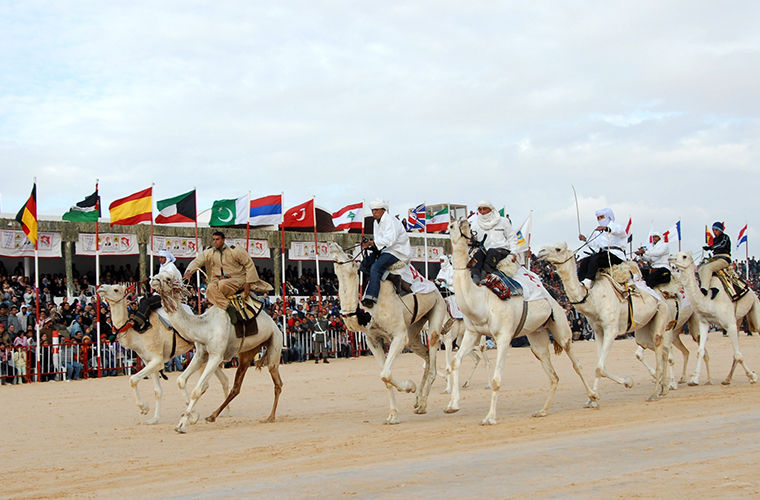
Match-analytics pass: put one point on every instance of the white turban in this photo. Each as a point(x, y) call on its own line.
point(608, 215)
point(489, 220)
point(659, 235)
point(166, 254)
point(377, 204)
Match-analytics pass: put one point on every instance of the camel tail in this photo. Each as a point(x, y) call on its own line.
point(274, 351)
point(557, 347)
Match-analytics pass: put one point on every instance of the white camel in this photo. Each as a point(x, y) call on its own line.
point(397, 321)
point(486, 314)
point(609, 316)
point(453, 330)
point(215, 332)
point(680, 312)
point(720, 311)
point(156, 346)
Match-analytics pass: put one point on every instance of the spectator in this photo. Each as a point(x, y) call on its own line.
point(70, 356)
point(19, 360)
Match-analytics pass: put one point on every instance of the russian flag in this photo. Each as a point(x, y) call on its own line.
point(742, 236)
point(266, 211)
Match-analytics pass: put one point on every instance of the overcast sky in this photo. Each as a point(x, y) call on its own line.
point(649, 107)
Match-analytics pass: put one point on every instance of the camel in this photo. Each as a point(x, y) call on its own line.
point(720, 311)
point(486, 314)
point(215, 332)
point(395, 320)
point(609, 317)
point(454, 329)
point(156, 346)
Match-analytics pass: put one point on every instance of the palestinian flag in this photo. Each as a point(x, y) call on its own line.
point(438, 221)
point(178, 209)
point(87, 210)
point(27, 216)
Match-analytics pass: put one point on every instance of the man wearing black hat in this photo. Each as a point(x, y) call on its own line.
point(721, 259)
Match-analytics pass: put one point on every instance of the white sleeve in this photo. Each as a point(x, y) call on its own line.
point(616, 229)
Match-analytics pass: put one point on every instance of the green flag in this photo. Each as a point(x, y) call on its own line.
point(230, 212)
point(87, 210)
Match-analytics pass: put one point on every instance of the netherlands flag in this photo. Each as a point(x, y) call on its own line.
point(266, 211)
point(742, 236)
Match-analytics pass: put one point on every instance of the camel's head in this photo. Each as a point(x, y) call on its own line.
point(555, 254)
point(340, 259)
point(681, 260)
point(112, 293)
point(459, 229)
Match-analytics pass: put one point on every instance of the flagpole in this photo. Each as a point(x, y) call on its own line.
point(530, 232)
point(678, 230)
point(37, 282)
point(151, 232)
point(197, 251)
point(97, 273)
point(424, 238)
point(361, 239)
point(316, 251)
point(248, 222)
point(282, 265)
point(746, 250)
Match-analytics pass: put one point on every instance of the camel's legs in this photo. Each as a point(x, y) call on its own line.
point(225, 386)
point(738, 357)
point(244, 362)
point(476, 359)
point(539, 344)
point(158, 392)
point(153, 366)
point(423, 351)
point(468, 341)
point(198, 361)
point(502, 345)
point(662, 343)
point(213, 363)
point(274, 372)
point(560, 329)
point(448, 347)
point(608, 337)
point(640, 356)
point(678, 344)
point(379, 354)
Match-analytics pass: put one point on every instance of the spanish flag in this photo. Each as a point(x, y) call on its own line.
point(134, 208)
point(27, 216)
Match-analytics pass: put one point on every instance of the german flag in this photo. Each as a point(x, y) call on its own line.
point(133, 209)
point(27, 216)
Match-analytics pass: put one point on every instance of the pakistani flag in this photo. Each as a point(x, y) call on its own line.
point(178, 209)
point(438, 220)
point(231, 212)
point(87, 210)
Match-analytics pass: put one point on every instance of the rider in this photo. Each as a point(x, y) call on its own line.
point(229, 268)
point(657, 257)
point(445, 277)
point(498, 239)
point(150, 302)
point(390, 245)
point(721, 259)
point(607, 241)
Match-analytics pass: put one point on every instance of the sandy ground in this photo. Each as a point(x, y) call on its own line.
point(86, 438)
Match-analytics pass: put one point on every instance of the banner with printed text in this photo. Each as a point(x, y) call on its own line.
point(257, 249)
point(110, 244)
point(16, 244)
point(434, 254)
point(304, 250)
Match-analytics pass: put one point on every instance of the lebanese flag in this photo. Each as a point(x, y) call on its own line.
point(300, 215)
point(349, 217)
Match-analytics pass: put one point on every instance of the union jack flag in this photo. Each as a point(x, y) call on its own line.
point(416, 218)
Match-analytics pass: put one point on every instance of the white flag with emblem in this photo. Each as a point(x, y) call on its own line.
point(349, 217)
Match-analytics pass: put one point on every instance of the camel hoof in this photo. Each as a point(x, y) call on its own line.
point(694, 382)
point(144, 409)
point(541, 413)
point(627, 382)
point(420, 411)
point(392, 420)
point(752, 377)
point(450, 410)
point(682, 380)
point(193, 417)
point(180, 428)
point(653, 397)
point(267, 420)
point(673, 387)
point(726, 382)
point(488, 421)
point(592, 403)
point(466, 384)
point(446, 391)
point(151, 421)
point(709, 382)
point(211, 419)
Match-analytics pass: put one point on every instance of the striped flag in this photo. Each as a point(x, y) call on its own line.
point(266, 211)
point(628, 230)
point(87, 210)
point(27, 216)
point(416, 219)
point(135, 208)
point(438, 221)
point(349, 217)
point(178, 209)
point(742, 236)
point(708, 236)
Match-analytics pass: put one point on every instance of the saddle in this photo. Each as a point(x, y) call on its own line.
point(502, 285)
point(247, 310)
point(735, 287)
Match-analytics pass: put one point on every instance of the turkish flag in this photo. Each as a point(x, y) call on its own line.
point(300, 216)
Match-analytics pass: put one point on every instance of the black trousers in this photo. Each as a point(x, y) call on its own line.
point(588, 266)
point(486, 262)
point(657, 276)
point(148, 304)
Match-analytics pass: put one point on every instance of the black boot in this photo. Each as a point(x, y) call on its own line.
point(141, 324)
point(714, 292)
point(232, 313)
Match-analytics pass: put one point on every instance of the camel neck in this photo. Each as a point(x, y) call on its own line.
point(689, 281)
point(574, 290)
point(119, 315)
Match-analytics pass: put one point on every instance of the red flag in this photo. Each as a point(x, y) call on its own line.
point(628, 226)
point(300, 215)
point(708, 236)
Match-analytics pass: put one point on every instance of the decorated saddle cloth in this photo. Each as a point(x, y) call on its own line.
point(451, 305)
point(522, 282)
point(735, 287)
point(247, 309)
point(410, 280)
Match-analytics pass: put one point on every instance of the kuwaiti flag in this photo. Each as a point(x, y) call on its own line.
point(266, 211)
point(349, 217)
point(523, 234)
point(416, 219)
point(438, 221)
point(87, 210)
point(178, 209)
point(742, 236)
point(232, 212)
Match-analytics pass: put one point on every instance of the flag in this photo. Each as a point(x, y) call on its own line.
point(266, 211)
point(708, 236)
point(231, 212)
point(87, 210)
point(178, 209)
point(134, 208)
point(416, 218)
point(523, 235)
point(349, 217)
point(673, 233)
point(438, 221)
point(628, 230)
point(742, 236)
point(300, 215)
point(27, 216)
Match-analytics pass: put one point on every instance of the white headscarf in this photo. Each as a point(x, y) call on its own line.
point(489, 220)
point(167, 255)
point(608, 215)
point(377, 204)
